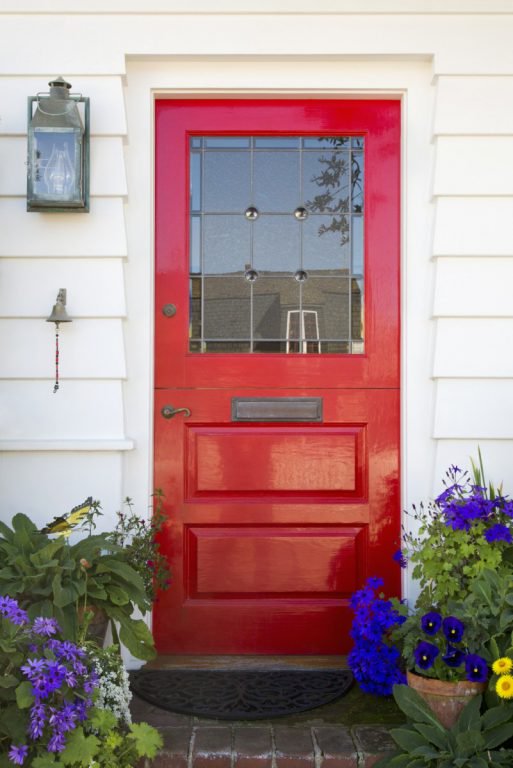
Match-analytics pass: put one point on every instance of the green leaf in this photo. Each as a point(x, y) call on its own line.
point(24, 696)
point(497, 736)
point(117, 595)
point(102, 720)
point(478, 762)
point(469, 742)
point(8, 681)
point(434, 735)
point(137, 638)
point(46, 761)
point(80, 749)
point(121, 569)
point(415, 707)
point(147, 739)
point(13, 723)
point(496, 716)
point(62, 595)
point(469, 718)
point(407, 738)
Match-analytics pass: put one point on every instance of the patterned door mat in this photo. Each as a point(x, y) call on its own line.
point(240, 695)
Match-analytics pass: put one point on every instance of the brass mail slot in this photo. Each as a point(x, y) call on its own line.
point(277, 409)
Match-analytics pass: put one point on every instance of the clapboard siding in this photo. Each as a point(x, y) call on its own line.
point(89, 349)
point(474, 165)
point(474, 287)
point(474, 105)
point(98, 233)
point(28, 287)
point(50, 484)
point(79, 410)
point(473, 226)
point(457, 416)
point(466, 44)
point(497, 455)
point(108, 116)
point(108, 176)
point(474, 347)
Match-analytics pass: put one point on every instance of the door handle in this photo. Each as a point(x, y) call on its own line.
point(168, 411)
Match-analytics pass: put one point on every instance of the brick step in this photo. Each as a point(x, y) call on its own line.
point(270, 746)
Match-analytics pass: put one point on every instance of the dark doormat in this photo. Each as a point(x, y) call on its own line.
point(240, 695)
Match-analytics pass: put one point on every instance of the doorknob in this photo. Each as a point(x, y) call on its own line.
point(168, 411)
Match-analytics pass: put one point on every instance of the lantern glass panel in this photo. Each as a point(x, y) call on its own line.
point(56, 165)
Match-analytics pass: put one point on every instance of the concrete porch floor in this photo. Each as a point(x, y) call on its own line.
point(351, 732)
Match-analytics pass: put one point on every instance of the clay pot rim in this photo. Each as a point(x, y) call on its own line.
point(432, 685)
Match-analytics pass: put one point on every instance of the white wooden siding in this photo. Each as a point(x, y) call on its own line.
point(107, 166)
point(89, 349)
point(474, 287)
point(31, 411)
point(28, 287)
point(451, 61)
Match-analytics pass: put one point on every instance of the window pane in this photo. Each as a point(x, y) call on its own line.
point(276, 181)
point(273, 298)
point(276, 244)
point(226, 243)
point(227, 308)
point(226, 180)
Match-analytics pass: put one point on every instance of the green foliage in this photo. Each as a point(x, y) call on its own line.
point(447, 561)
point(50, 577)
point(474, 741)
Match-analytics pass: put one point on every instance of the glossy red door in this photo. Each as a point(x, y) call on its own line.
point(272, 524)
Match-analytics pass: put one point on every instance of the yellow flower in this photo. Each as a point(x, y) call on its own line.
point(504, 686)
point(502, 666)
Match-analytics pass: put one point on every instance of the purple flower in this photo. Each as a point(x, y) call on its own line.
point(431, 622)
point(56, 742)
point(10, 609)
point(453, 629)
point(375, 582)
point(476, 668)
point(498, 532)
point(454, 657)
point(400, 558)
point(425, 654)
point(18, 754)
point(34, 668)
point(45, 627)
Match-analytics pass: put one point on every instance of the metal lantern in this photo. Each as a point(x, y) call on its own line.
point(58, 150)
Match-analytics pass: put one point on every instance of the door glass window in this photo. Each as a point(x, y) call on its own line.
point(276, 251)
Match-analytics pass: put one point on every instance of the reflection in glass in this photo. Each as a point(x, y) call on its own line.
point(195, 181)
point(227, 308)
point(227, 142)
point(324, 246)
point(357, 244)
point(195, 245)
point(226, 244)
point(273, 298)
point(226, 181)
point(277, 244)
point(277, 142)
point(276, 181)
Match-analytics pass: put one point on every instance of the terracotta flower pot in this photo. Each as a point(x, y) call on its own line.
point(445, 699)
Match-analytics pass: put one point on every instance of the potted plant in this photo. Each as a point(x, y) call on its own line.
point(462, 620)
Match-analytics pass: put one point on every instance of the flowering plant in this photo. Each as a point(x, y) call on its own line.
point(48, 692)
point(465, 530)
point(139, 539)
point(375, 662)
point(463, 618)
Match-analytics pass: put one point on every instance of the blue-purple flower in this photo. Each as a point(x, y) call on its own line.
point(431, 622)
point(45, 627)
point(17, 754)
point(453, 629)
point(400, 558)
point(10, 610)
point(425, 654)
point(476, 668)
point(453, 657)
point(498, 532)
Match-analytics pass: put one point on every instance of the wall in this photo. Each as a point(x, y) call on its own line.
point(450, 62)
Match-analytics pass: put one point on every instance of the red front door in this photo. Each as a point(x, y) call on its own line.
point(277, 245)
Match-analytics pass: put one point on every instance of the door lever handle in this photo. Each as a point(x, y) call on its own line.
point(168, 411)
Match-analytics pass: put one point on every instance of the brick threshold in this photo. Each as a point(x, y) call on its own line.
point(270, 746)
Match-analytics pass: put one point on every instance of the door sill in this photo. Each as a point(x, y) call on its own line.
point(248, 662)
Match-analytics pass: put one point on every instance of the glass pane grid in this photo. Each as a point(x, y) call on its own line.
point(250, 277)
